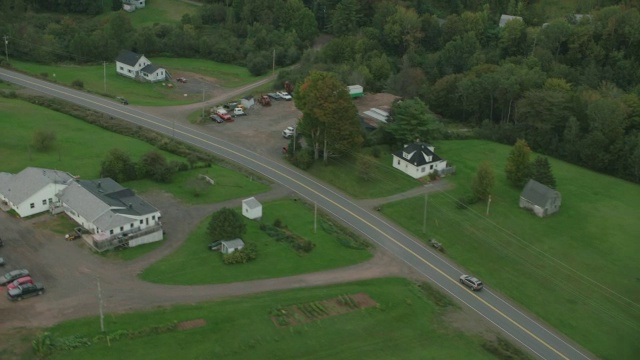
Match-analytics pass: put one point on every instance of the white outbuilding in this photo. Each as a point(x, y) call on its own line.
point(229, 246)
point(251, 208)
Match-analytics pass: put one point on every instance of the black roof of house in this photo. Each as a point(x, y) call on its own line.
point(128, 57)
point(150, 69)
point(419, 153)
point(537, 193)
point(124, 200)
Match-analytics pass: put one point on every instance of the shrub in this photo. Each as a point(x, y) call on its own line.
point(43, 140)
point(248, 253)
point(78, 84)
point(44, 75)
point(465, 201)
point(277, 223)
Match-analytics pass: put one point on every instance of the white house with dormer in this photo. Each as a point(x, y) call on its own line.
point(134, 66)
point(32, 190)
point(418, 160)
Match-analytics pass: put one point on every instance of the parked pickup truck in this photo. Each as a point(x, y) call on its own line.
point(238, 112)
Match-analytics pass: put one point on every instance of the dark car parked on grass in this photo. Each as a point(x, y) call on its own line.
point(216, 118)
point(13, 275)
point(26, 290)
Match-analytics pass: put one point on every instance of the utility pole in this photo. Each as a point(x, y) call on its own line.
point(203, 105)
point(100, 302)
point(488, 203)
point(424, 218)
point(6, 51)
point(105, 75)
point(315, 217)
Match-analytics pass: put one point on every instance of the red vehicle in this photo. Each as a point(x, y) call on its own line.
point(20, 281)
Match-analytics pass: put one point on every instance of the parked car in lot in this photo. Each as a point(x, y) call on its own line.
point(13, 275)
point(238, 112)
point(20, 281)
point(471, 282)
point(216, 118)
point(284, 95)
point(1, 261)
point(274, 96)
point(23, 291)
point(288, 132)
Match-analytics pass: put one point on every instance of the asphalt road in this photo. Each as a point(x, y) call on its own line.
point(539, 338)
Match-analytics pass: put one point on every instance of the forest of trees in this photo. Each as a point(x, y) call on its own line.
point(568, 85)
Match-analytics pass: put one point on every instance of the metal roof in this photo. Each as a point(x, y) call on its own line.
point(19, 187)
point(418, 154)
point(128, 57)
point(537, 193)
point(251, 203)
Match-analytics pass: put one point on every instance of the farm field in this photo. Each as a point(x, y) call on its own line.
point(194, 264)
point(161, 12)
point(406, 324)
point(577, 269)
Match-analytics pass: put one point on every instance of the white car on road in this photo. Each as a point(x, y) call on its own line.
point(288, 132)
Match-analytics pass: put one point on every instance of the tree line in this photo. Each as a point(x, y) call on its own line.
point(566, 85)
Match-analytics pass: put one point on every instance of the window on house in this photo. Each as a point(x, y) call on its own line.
point(131, 226)
point(129, 71)
point(153, 217)
point(398, 162)
point(121, 67)
point(424, 168)
point(32, 205)
point(44, 202)
point(141, 221)
point(431, 167)
point(111, 232)
point(121, 228)
point(50, 200)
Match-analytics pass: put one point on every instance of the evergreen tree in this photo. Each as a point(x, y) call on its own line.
point(482, 184)
point(518, 165)
point(226, 224)
point(541, 172)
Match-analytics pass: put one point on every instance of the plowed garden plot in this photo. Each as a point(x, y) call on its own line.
point(317, 310)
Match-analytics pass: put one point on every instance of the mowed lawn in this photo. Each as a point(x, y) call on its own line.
point(79, 147)
point(142, 93)
point(578, 269)
point(162, 12)
point(406, 325)
point(194, 264)
point(384, 179)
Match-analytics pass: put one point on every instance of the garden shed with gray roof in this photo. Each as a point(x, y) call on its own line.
point(540, 199)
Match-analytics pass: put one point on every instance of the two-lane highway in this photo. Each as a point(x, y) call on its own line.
point(530, 333)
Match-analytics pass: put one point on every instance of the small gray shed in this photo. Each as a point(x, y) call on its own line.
point(247, 102)
point(540, 199)
point(251, 208)
point(229, 246)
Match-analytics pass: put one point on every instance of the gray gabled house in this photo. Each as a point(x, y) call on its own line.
point(540, 199)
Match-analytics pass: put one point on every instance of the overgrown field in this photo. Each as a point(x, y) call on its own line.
point(407, 324)
point(193, 263)
point(577, 270)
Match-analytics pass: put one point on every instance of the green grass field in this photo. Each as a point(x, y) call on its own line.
point(194, 264)
point(20, 120)
point(385, 179)
point(228, 185)
point(142, 93)
point(161, 12)
point(577, 270)
point(406, 325)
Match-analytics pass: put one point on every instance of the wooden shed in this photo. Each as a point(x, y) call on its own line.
point(251, 208)
point(540, 199)
point(229, 246)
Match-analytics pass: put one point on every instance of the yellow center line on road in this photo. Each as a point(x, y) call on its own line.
point(169, 128)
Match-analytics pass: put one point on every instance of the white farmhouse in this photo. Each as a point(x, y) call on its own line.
point(418, 160)
point(33, 190)
point(134, 66)
point(114, 214)
point(251, 208)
